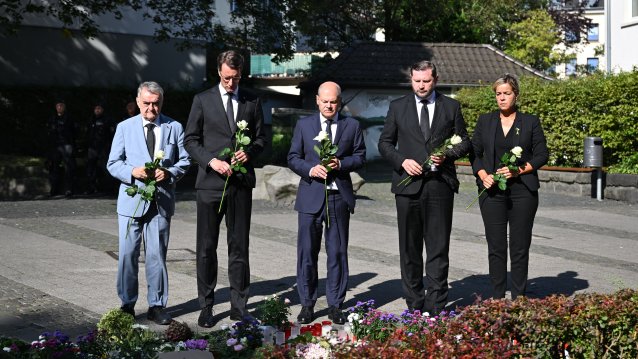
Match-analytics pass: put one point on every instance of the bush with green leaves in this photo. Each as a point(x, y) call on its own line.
point(599, 105)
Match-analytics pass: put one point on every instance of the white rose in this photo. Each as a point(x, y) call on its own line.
point(242, 125)
point(159, 155)
point(323, 135)
point(517, 151)
point(456, 139)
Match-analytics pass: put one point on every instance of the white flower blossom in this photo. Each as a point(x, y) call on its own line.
point(456, 139)
point(244, 341)
point(242, 125)
point(159, 155)
point(286, 301)
point(517, 151)
point(353, 317)
point(7, 349)
point(323, 135)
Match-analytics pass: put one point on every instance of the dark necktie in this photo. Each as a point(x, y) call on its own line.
point(425, 120)
point(329, 128)
point(230, 115)
point(150, 139)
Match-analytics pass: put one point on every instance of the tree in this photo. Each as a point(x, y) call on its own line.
point(277, 26)
point(532, 40)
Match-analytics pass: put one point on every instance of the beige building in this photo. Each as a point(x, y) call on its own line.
point(609, 43)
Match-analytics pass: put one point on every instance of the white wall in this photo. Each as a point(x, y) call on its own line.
point(624, 34)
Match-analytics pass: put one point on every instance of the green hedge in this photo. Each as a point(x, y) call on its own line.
point(25, 110)
point(599, 105)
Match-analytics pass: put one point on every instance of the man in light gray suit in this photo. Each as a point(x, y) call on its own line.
point(134, 145)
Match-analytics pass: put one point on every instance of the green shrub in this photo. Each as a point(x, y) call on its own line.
point(599, 105)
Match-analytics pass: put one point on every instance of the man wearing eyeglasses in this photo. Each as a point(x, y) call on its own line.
point(211, 128)
point(138, 141)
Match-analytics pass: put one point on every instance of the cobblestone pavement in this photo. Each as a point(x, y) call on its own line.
point(58, 258)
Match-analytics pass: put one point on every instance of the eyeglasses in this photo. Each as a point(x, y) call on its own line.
point(229, 78)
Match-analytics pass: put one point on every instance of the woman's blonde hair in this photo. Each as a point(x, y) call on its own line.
point(507, 79)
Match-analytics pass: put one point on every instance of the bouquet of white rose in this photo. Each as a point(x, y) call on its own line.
point(439, 151)
point(148, 190)
point(326, 151)
point(508, 160)
point(241, 140)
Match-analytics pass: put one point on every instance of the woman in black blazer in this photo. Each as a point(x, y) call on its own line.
point(495, 134)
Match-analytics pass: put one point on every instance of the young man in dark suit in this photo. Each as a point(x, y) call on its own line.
point(419, 123)
point(211, 127)
point(318, 181)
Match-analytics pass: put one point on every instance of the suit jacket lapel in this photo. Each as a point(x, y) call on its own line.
point(341, 126)
point(517, 127)
point(493, 126)
point(166, 132)
point(437, 120)
point(241, 106)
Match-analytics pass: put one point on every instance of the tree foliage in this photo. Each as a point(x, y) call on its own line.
point(279, 27)
point(531, 40)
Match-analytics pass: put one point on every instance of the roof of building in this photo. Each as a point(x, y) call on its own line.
point(370, 64)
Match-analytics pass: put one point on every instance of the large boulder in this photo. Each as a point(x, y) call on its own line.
point(280, 183)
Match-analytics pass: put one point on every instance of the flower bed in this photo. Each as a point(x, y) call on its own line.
point(582, 326)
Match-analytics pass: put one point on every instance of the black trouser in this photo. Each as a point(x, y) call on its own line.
point(425, 217)
point(236, 209)
point(517, 206)
point(61, 154)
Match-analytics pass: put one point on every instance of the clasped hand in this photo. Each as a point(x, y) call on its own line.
point(223, 167)
point(488, 180)
point(321, 171)
point(142, 174)
point(413, 168)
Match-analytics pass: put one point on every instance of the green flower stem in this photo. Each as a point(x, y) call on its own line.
point(408, 179)
point(223, 194)
point(130, 221)
point(325, 186)
point(475, 199)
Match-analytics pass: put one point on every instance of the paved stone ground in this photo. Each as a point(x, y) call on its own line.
point(58, 258)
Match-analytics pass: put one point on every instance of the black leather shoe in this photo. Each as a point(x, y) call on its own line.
point(158, 315)
point(336, 315)
point(306, 315)
point(206, 317)
point(129, 309)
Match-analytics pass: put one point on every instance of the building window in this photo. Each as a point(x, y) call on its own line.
point(570, 68)
point(572, 36)
point(594, 4)
point(592, 33)
point(592, 64)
